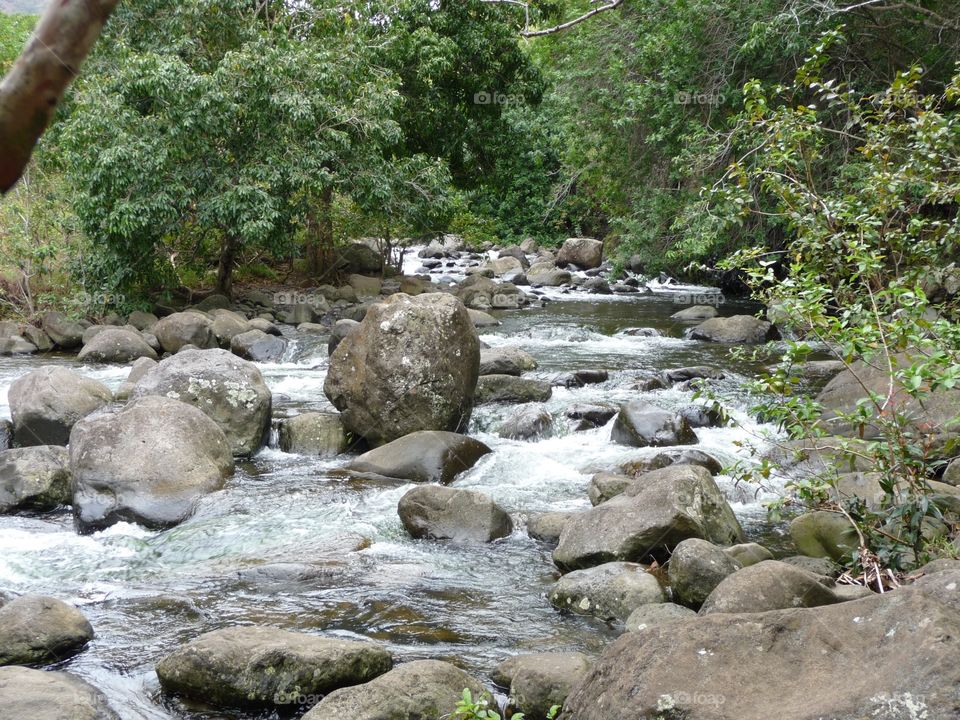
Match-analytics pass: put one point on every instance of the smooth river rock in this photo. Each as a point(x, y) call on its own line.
point(38, 630)
point(610, 591)
point(46, 403)
point(34, 478)
point(640, 424)
point(442, 513)
point(424, 456)
point(27, 694)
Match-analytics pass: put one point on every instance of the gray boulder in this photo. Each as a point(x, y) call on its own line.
point(185, 328)
point(148, 463)
point(548, 276)
point(46, 403)
point(660, 510)
point(505, 361)
point(650, 615)
point(591, 415)
point(46, 695)
point(532, 422)
point(696, 313)
point(610, 592)
point(419, 690)
point(313, 433)
point(16, 345)
point(696, 568)
point(411, 365)
point(34, 478)
point(792, 663)
point(548, 526)
point(641, 424)
point(823, 534)
point(116, 345)
point(510, 389)
point(769, 585)
point(229, 390)
point(538, 682)
point(585, 253)
point(65, 333)
point(264, 667)
point(425, 456)
point(142, 320)
point(258, 346)
point(139, 368)
point(360, 258)
point(748, 553)
point(736, 330)
point(227, 325)
point(443, 513)
point(341, 329)
point(605, 485)
point(38, 630)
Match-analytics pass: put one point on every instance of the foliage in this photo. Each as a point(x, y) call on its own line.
point(869, 236)
point(469, 708)
point(14, 31)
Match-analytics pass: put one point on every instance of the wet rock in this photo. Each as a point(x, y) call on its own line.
point(769, 585)
point(748, 553)
point(65, 333)
point(419, 690)
point(6, 435)
point(604, 486)
point(641, 466)
point(591, 415)
point(503, 267)
point(505, 361)
point(695, 313)
point(148, 463)
point(258, 346)
point(597, 285)
point(585, 253)
point(548, 526)
point(547, 276)
point(640, 424)
point(341, 329)
point(313, 433)
point(185, 328)
point(38, 630)
point(116, 345)
point(647, 616)
point(822, 534)
point(661, 509)
point(683, 374)
point(365, 287)
point(264, 325)
point(443, 513)
point(46, 403)
point(696, 568)
point(411, 365)
point(264, 667)
point(46, 695)
point(698, 415)
point(641, 332)
point(649, 383)
point(140, 367)
point(510, 389)
point(229, 390)
point(736, 330)
point(580, 378)
point(427, 456)
point(695, 457)
point(532, 422)
point(227, 325)
point(34, 478)
point(610, 592)
point(481, 319)
point(538, 682)
point(789, 663)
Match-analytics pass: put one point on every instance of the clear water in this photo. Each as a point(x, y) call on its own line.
point(146, 592)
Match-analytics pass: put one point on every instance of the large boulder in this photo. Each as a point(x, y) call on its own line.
point(823, 534)
point(736, 330)
point(548, 526)
point(792, 664)
point(649, 615)
point(660, 510)
point(34, 478)
point(443, 513)
point(148, 463)
point(360, 258)
point(263, 667)
point(585, 253)
point(227, 325)
point(44, 695)
point(139, 368)
point(696, 568)
point(411, 365)
point(258, 346)
point(539, 682)
point(185, 328)
point(510, 389)
point(425, 456)
point(769, 585)
point(610, 591)
point(38, 630)
point(641, 424)
point(505, 361)
point(46, 403)
point(229, 390)
point(65, 333)
point(341, 328)
point(695, 313)
point(419, 690)
point(313, 433)
point(116, 345)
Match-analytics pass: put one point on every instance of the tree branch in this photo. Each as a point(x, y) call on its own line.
point(528, 33)
point(30, 92)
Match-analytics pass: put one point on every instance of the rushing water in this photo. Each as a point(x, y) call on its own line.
point(145, 592)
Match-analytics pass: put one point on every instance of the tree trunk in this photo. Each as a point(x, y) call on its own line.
point(228, 257)
point(325, 255)
point(30, 92)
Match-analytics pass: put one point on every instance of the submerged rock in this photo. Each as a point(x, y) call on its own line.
point(313, 433)
point(34, 478)
point(736, 330)
point(532, 422)
point(505, 361)
point(45, 695)
point(641, 424)
point(442, 513)
point(419, 690)
point(425, 456)
point(38, 630)
point(265, 667)
point(411, 365)
point(46, 403)
point(610, 591)
point(510, 389)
